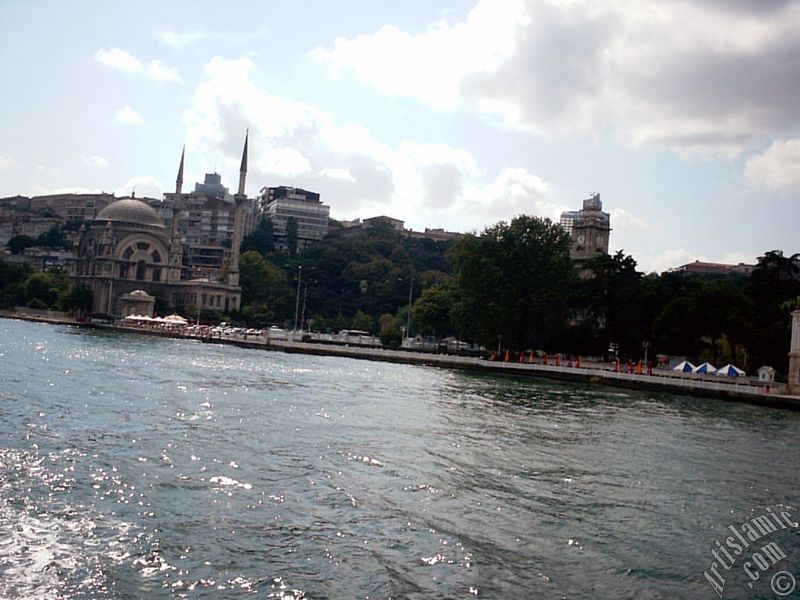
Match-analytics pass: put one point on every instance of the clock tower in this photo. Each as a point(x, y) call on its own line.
point(588, 229)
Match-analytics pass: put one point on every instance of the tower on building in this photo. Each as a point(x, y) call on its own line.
point(588, 228)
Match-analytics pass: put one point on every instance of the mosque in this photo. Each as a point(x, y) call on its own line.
point(127, 257)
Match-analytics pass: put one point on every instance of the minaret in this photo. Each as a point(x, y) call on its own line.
point(243, 168)
point(238, 221)
point(175, 248)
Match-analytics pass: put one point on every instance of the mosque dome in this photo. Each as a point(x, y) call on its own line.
point(130, 210)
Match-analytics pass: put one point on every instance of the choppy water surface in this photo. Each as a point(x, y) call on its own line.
point(134, 466)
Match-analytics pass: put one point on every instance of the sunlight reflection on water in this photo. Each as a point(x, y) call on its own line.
point(143, 467)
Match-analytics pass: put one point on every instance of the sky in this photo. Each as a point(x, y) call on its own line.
point(454, 114)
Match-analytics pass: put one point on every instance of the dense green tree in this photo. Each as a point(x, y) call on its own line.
point(432, 310)
point(370, 272)
point(390, 333)
point(776, 268)
point(42, 288)
point(18, 243)
point(690, 325)
point(362, 321)
point(53, 238)
point(76, 298)
point(265, 288)
point(610, 298)
point(13, 273)
point(261, 239)
point(515, 280)
point(291, 235)
point(774, 282)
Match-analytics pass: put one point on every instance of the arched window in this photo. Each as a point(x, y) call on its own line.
point(140, 270)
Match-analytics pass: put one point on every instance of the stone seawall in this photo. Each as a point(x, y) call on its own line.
point(740, 389)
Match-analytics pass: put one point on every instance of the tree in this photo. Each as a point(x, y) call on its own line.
point(692, 324)
point(775, 267)
point(361, 321)
point(40, 288)
point(53, 238)
point(265, 288)
point(368, 272)
point(432, 309)
point(261, 239)
point(514, 280)
point(291, 235)
point(18, 243)
point(390, 333)
point(774, 282)
point(611, 304)
point(78, 298)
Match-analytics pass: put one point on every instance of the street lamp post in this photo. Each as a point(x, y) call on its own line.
point(297, 299)
point(645, 345)
point(303, 314)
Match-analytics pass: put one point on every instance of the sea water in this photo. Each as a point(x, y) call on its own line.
point(134, 466)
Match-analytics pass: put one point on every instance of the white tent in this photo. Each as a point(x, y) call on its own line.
point(177, 319)
point(706, 369)
point(684, 367)
point(730, 370)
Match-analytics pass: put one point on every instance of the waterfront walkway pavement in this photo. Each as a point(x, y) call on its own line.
point(739, 388)
point(734, 388)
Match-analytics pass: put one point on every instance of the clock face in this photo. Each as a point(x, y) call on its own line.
point(600, 240)
point(581, 238)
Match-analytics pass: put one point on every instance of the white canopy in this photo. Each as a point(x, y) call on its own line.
point(730, 370)
point(173, 318)
point(684, 367)
point(706, 368)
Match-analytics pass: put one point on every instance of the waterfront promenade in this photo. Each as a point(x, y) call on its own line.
point(741, 388)
point(732, 388)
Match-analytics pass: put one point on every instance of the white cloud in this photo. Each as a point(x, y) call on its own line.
point(336, 173)
point(7, 162)
point(621, 219)
point(659, 262)
point(126, 62)
point(95, 162)
point(291, 143)
point(144, 185)
point(119, 59)
point(664, 261)
point(705, 76)
point(284, 162)
point(39, 190)
point(128, 116)
point(513, 191)
point(431, 65)
point(182, 39)
point(735, 258)
point(178, 40)
point(778, 167)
